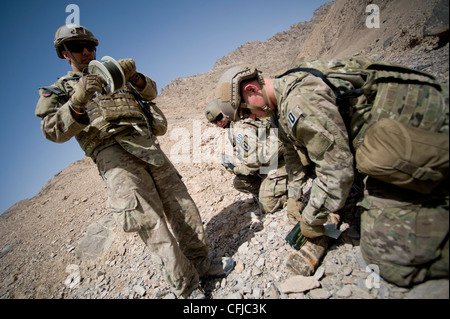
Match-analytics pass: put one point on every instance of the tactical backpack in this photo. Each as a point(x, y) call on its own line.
point(410, 146)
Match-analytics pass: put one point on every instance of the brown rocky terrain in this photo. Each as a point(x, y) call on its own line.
point(63, 243)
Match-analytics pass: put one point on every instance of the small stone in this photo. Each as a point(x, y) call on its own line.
point(347, 270)
point(360, 293)
point(257, 293)
point(243, 249)
point(331, 270)
point(260, 263)
point(236, 295)
point(320, 293)
point(239, 267)
point(319, 272)
point(121, 250)
point(344, 292)
point(272, 293)
point(433, 289)
point(74, 278)
point(139, 290)
point(299, 284)
point(348, 280)
point(256, 271)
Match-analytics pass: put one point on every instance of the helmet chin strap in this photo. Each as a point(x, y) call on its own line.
point(266, 109)
point(80, 66)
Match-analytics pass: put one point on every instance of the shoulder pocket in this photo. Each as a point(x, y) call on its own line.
point(316, 140)
point(308, 134)
point(47, 91)
point(50, 99)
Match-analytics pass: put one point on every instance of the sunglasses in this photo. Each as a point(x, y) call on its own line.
point(78, 47)
point(246, 113)
point(218, 118)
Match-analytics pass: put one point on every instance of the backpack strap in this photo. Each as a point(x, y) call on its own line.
point(342, 99)
point(49, 90)
point(316, 73)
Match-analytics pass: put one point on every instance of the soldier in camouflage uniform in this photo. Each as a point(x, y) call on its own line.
point(403, 232)
point(269, 185)
point(144, 188)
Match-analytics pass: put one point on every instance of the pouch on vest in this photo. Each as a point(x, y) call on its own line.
point(158, 122)
point(405, 156)
point(118, 106)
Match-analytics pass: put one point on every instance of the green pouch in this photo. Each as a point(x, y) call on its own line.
point(405, 156)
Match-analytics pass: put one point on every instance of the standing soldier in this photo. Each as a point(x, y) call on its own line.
point(394, 121)
point(253, 175)
point(144, 188)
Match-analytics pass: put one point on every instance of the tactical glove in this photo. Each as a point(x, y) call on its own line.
point(294, 210)
point(230, 167)
point(128, 67)
point(310, 231)
point(86, 88)
point(227, 162)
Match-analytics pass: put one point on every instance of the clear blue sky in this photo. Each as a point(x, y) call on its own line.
point(167, 39)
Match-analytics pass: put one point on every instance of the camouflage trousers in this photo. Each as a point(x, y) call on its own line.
point(145, 199)
point(404, 233)
point(271, 189)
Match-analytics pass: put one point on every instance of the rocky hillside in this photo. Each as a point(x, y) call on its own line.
point(63, 243)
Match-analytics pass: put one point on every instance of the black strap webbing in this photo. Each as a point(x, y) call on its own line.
point(342, 99)
point(316, 73)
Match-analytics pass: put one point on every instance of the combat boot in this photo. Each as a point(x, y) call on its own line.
point(197, 293)
point(221, 268)
point(305, 261)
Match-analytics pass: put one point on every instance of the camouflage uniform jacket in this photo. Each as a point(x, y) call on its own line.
point(108, 120)
point(255, 146)
point(316, 135)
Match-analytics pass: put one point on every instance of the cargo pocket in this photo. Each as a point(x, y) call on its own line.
point(387, 236)
point(431, 230)
point(280, 185)
point(316, 140)
point(126, 213)
point(273, 193)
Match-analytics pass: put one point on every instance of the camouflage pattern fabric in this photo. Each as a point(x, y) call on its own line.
point(142, 197)
point(312, 123)
point(144, 189)
point(94, 130)
point(406, 236)
point(269, 187)
point(248, 184)
point(273, 190)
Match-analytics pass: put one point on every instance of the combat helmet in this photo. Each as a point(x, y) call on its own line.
point(212, 110)
point(71, 33)
point(228, 90)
